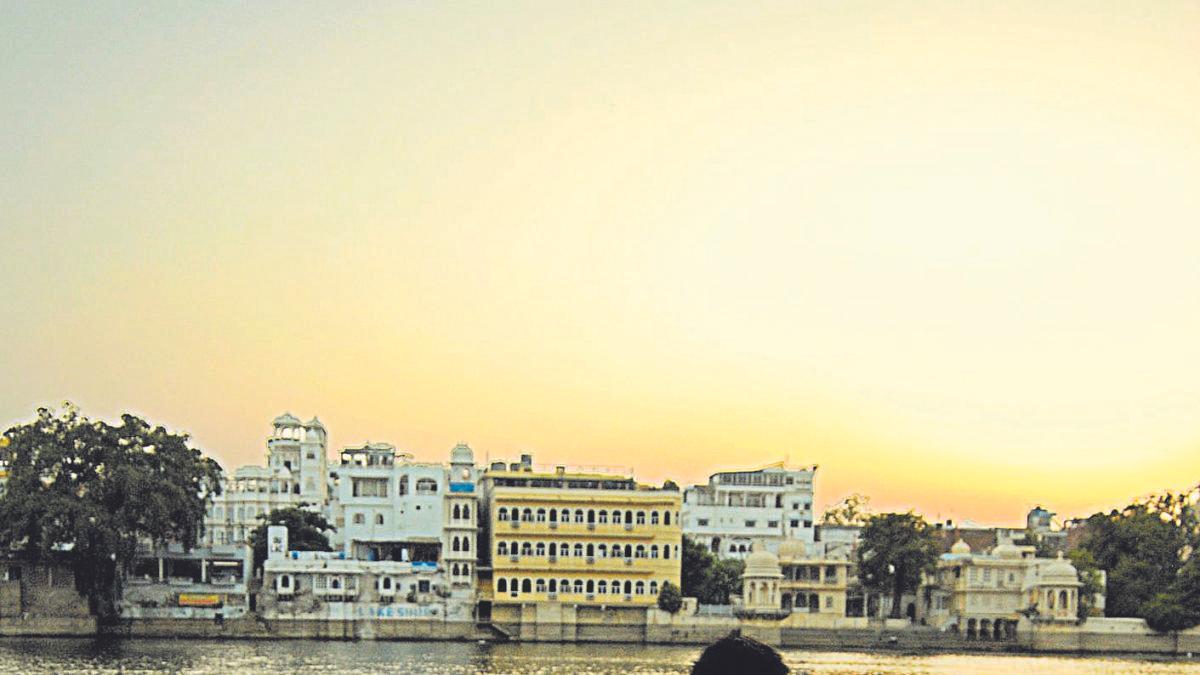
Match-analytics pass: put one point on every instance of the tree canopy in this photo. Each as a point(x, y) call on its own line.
point(669, 598)
point(706, 577)
point(1146, 550)
point(894, 550)
point(306, 531)
point(88, 493)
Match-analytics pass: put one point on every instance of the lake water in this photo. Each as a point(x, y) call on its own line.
point(228, 658)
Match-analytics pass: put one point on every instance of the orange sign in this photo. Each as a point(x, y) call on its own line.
point(197, 600)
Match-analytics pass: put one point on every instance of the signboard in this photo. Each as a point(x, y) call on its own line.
point(199, 600)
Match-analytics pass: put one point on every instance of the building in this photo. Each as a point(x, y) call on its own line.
point(770, 505)
point(802, 579)
point(385, 506)
point(296, 473)
point(172, 582)
point(579, 538)
point(987, 595)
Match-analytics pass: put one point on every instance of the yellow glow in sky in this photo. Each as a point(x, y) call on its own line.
point(947, 251)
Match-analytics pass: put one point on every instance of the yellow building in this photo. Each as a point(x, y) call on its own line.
point(581, 538)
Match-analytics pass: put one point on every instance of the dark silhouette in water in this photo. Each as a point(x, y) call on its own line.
point(736, 654)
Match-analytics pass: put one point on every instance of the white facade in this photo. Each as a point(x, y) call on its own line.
point(295, 474)
point(768, 505)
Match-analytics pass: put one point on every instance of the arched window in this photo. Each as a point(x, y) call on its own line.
point(378, 518)
point(628, 588)
point(564, 586)
point(501, 585)
point(615, 589)
point(591, 586)
point(540, 586)
point(629, 517)
point(553, 547)
point(466, 512)
point(591, 551)
point(654, 550)
point(578, 550)
point(527, 515)
point(526, 548)
point(640, 551)
point(640, 588)
point(502, 513)
point(385, 583)
point(454, 545)
point(553, 517)
point(602, 587)
point(603, 517)
point(457, 512)
point(502, 548)
point(628, 551)
point(403, 483)
point(526, 586)
point(653, 588)
point(566, 515)
point(553, 585)
point(616, 517)
point(540, 549)
point(579, 515)
point(591, 516)
point(641, 517)
point(579, 585)
point(666, 552)
point(359, 519)
point(602, 550)
point(666, 517)
point(541, 515)
point(654, 517)
point(466, 543)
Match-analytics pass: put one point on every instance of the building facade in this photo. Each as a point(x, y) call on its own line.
point(769, 505)
point(585, 538)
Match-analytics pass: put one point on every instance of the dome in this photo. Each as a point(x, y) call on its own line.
point(286, 420)
point(1006, 550)
point(314, 423)
point(462, 454)
point(793, 549)
point(1059, 572)
point(761, 563)
point(960, 547)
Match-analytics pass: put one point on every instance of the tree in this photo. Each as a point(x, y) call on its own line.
point(853, 510)
point(669, 598)
point(707, 578)
point(1089, 576)
point(88, 493)
point(894, 550)
point(1141, 551)
point(1165, 613)
point(306, 531)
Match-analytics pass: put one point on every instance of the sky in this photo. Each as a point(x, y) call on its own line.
point(947, 251)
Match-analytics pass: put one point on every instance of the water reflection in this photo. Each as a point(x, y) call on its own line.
point(224, 658)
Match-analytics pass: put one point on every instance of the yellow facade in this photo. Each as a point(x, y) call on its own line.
point(579, 538)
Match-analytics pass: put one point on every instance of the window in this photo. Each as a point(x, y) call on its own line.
point(540, 549)
point(466, 512)
point(666, 517)
point(751, 523)
point(423, 586)
point(602, 587)
point(541, 515)
point(427, 486)
point(653, 588)
point(501, 585)
point(640, 588)
point(502, 548)
point(654, 517)
point(794, 523)
point(359, 519)
point(502, 514)
point(641, 517)
point(773, 524)
point(403, 483)
point(603, 517)
point(579, 515)
point(702, 522)
point(579, 585)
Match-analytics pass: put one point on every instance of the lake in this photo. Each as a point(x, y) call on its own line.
point(198, 656)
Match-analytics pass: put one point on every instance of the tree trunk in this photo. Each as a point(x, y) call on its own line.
point(897, 597)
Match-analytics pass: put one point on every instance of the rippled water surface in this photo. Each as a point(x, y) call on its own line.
point(195, 656)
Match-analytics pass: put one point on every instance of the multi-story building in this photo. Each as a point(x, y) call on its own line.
point(295, 474)
point(802, 579)
point(385, 506)
point(986, 595)
point(580, 538)
point(769, 505)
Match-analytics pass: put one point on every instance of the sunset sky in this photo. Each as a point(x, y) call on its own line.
point(948, 251)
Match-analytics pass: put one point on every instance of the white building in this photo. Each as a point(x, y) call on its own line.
point(385, 506)
point(295, 474)
point(735, 508)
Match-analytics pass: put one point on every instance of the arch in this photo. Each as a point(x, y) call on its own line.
point(654, 551)
point(628, 587)
point(578, 550)
point(378, 518)
point(578, 586)
point(526, 586)
point(466, 512)
point(591, 586)
point(653, 587)
point(666, 552)
point(628, 550)
point(591, 516)
point(427, 486)
point(402, 485)
point(540, 549)
point(602, 517)
point(360, 519)
point(454, 544)
point(553, 517)
point(457, 512)
point(666, 517)
point(541, 515)
point(602, 587)
point(616, 517)
point(466, 543)
point(526, 548)
point(553, 585)
point(640, 551)
point(591, 551)
point(540, 586)
point(553, 548)
point(641, 517)
point(502, 514)
point(1062, 600)
point(527, 514)
point(615, 587)
point(502, 548)
point(654, 517)
point(579, 515)
point(566, 516)
point(602, 550)
point(564, 585)
point(501, 585)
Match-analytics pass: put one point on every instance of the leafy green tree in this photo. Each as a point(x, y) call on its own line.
point(306, 531)
point(894, 550)
point(669, 598)
point(1142, 552)
point(707, 578)
point(853, 510)
point(88, 493)
point(1089, 576)
point(1165, 613)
